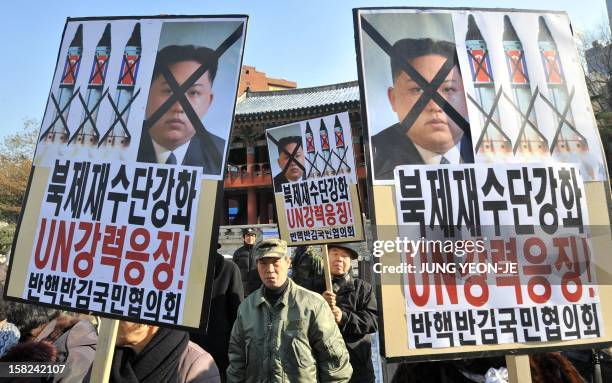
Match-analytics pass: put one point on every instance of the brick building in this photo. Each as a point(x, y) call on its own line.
point(248, 197)
point(253, 80)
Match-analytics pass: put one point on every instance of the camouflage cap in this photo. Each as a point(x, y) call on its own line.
point(270, 248)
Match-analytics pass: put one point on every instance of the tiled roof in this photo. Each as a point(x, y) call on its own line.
point(251, 103)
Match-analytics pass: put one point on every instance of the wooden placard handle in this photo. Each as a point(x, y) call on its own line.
point(518, 368)
point(103, 359)
point(326, 269)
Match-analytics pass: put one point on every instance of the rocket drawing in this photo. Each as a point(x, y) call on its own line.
point(530, 143)
point(567, 142)
point(88, 134)
point(118, 134)
point(57, 130)
point(340, 147)
point(493, 142)
point(327, 168)
point(311, 154)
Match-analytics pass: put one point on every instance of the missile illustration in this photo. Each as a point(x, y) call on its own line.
point(324, 137)
point(567, 143)
point(118, 135)
point(531, 143)
point(311, 152)
point(57, 130)
point(87, 134)
point(340, 147)
point(493, 142)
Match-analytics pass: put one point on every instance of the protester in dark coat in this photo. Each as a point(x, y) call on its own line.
point(307, 266)
point(354, 307)
point(244, 259)
point(227, 295)
point(146, 353)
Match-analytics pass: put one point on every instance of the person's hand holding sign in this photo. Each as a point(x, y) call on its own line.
point(330, 298)
point(337, 314)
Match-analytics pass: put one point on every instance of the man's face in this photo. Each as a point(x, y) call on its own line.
point(339, 261)
point(433, 129)
point(130, 333)
point(293, 172)
point(174, 129)
point(273, 271)
point(249, 238)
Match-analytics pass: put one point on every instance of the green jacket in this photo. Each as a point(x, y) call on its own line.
point(296, 340)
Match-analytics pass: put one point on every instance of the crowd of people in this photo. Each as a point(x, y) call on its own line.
point(263, 326)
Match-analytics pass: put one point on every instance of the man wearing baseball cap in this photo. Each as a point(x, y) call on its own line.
point(353, 304)
point(284, 332)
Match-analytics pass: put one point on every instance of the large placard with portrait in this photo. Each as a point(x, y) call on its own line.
point(445, 88)
point(119, 216)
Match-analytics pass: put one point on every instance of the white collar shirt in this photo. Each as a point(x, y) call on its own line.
point(162, 154)
point(453, 155)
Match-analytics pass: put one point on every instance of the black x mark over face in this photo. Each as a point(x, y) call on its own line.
point(432, 86)
point(293, 158)
point(432, 129)
point(291, 161)
point(176, 96)
point(175, 128)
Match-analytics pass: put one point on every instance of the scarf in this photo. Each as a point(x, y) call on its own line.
point(273, 295)
point(339, 281)
point(158, 361)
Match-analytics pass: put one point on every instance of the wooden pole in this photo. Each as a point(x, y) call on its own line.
point(103, 359)
point(518, 368)
point(327, 270)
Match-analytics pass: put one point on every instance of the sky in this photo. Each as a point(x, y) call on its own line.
point(310, 42)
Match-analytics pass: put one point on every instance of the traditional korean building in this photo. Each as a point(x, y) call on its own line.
point(248, 197)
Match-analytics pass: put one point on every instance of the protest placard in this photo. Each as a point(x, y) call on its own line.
point(315, 181)
point(497, 254)
point(119, 215)
point(445, 88)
